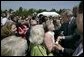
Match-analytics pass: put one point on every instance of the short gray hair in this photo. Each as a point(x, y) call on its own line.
point(36, 34)
point(13, 46)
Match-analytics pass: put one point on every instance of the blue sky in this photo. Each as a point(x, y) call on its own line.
point(38, 4)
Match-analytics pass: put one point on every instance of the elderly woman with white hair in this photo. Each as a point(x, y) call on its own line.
point(36, 41)
point(13, 46)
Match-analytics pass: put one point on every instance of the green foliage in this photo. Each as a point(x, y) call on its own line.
point(10, 10)
point(53, 10)
point(25, 12)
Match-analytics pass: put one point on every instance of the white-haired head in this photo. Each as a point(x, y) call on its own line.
point(37, 34)
point(13, 46)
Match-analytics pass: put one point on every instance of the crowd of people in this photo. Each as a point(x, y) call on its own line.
point(43, 35)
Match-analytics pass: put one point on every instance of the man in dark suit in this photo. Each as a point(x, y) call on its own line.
point(69, 24)
point(68, 28)
point(77, 49)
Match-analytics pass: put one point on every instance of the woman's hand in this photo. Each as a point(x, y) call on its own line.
point(59, 47)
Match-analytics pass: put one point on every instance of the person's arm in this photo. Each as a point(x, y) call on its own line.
point(69, 37)
point(74, 35)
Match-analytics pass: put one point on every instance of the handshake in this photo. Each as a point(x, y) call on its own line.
point(57, 46)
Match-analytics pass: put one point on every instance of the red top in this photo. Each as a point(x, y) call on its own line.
point(22, 30)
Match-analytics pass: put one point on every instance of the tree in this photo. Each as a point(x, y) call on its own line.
point(53, 10)
point(31, 11)
point(25, 12)
point(59, 11)
point(10, 10)
point(20, 9)
point(17, 12)
point(44, 10)
point(40, 10)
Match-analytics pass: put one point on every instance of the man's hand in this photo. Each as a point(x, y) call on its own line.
point(62, 33)
point(60, 38)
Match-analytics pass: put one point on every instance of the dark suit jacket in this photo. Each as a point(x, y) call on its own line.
point(70, 51)
point(68, 28)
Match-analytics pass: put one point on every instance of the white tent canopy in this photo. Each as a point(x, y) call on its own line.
point(53, 14)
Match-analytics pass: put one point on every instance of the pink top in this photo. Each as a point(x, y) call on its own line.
point(49, 40)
